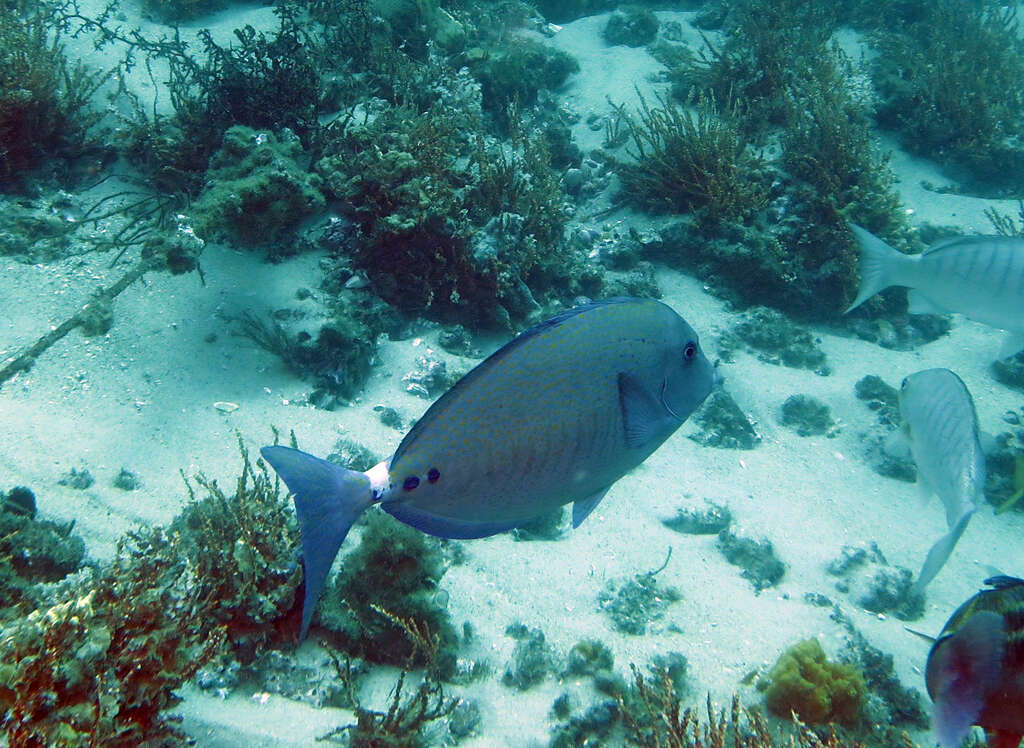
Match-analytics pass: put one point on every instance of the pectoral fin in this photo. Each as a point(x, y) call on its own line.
point(643, 416)
point(897, 445)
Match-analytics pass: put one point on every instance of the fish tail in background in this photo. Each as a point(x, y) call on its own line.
point(878, 263)
point(968, 663)
point(328, 500)
point(940, 552)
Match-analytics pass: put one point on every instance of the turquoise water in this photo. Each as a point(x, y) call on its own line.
point(304, 225)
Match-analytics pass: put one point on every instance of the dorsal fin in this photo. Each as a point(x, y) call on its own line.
point(972, 242)
point(1003, 581)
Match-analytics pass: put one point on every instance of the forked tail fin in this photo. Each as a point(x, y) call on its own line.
point(328, 501)
point(877, 263)
point(940, 551)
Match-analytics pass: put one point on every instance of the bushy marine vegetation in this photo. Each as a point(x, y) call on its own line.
point(45, 100)
point(693, 161)
point(99, 660)
point(181, 10)
point(766, 230)
point(386, 584)
point(766, 51)
point(258, 191)
point(649, 712)
point(951, 84)
point(33, 551)
point(262, 81)
point(454, 226)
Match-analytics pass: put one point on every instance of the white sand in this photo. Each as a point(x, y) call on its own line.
point(142, 397)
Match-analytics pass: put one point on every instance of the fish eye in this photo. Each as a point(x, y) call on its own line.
point(690, 350)
point(903, 384)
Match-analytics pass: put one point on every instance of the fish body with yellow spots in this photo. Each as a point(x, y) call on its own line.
point(975, 670)
point(555, 416)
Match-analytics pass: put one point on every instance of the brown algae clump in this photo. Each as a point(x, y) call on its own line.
point(818, 690)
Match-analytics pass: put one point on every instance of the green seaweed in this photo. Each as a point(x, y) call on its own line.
point(32, 551)
point(904, 706)
point(513, 74)
point(724, 425)
point(761, 567)
point(808, 416)
point(588, 657)
point(182, 10)
point(891, 590)
point(257, 193)
point(709, 521)
point(768, 47)
point(632, 26)
point(404, 722)
point(20, 501)
point(100, 658)
point(266, 81)
point(336, 357)
point(452, 225)
point(776, 339)
point(240, 544)
point(99, 661)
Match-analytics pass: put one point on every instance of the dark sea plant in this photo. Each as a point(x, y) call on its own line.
point(45, 113)
point(692, 161)
point(951, 84)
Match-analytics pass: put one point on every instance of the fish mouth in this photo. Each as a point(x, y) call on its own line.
point(717, 376)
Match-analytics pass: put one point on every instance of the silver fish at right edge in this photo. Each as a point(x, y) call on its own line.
point(941, 426)
point(980, 277)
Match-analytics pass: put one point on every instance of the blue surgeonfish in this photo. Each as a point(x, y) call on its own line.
point(981, 277)
point(555, 416)
point(941, 427)
point(975, 670)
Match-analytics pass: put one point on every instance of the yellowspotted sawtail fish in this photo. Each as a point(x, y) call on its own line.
point(555, 416)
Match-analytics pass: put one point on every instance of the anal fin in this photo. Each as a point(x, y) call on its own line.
point(918, 303)
point(581, 509)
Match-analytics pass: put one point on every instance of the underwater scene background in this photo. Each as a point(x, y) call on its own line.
point(227, 225)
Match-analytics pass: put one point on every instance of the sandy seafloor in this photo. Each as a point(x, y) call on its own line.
point(141, 397)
